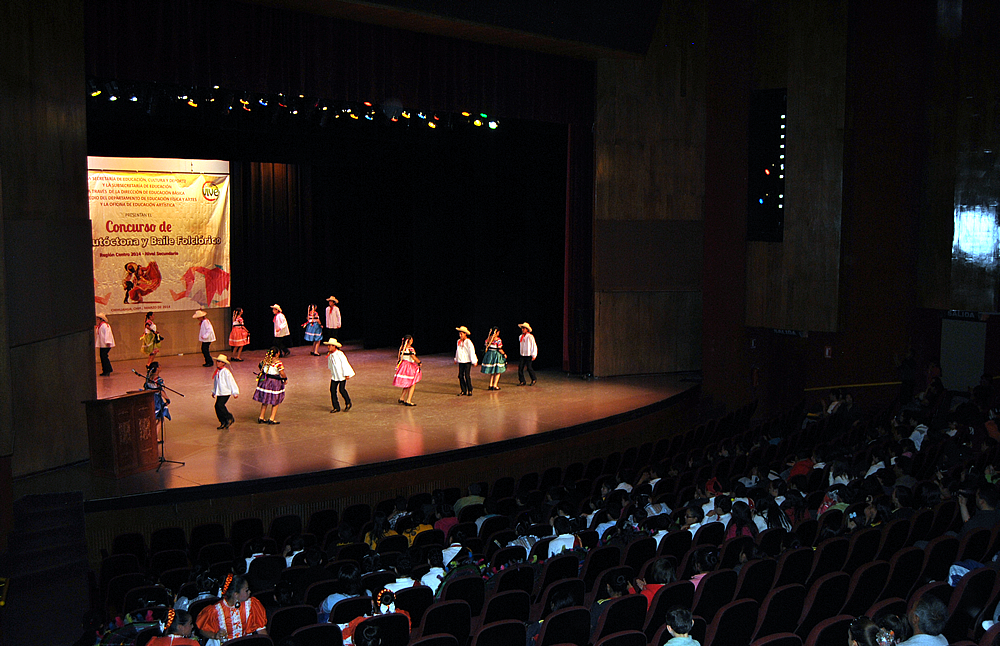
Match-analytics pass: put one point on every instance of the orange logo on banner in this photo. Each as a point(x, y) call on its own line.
point(210, 191)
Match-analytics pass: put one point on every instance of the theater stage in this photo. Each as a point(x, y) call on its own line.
point(377, 429)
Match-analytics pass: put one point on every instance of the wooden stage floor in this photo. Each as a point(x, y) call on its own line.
point(311, 439)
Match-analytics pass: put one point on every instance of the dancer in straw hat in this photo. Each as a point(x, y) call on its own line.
point(206, 334)
point(223, 387)
point(528, 353)
point(340, 372)
point(105, 340)
point(332, 317)
point(465, 357)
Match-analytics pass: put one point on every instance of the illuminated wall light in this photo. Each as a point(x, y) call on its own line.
point(781, 177)
point(477, 123)
point(767, 171)
point(493, 125)
point(437, 118)
point(368, 103)
point(133, 98)
point(354, 116)
point(421, 115)
point(369, 117)
point(192, 103)
point(781, 156)
point(295, 111)
point(482, 115)
point(761, 200)
point(325, 108)
point(466, 114)
point(431, 124)
point(112, 97)
point(262, 101)
point(406, 115)
point(215, 87)
point(782, 116)
point(782, 147)
point(782, 126)
point(394, 119)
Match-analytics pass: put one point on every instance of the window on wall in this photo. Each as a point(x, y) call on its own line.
point(766, 181)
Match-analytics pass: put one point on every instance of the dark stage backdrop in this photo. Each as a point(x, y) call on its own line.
point(415, 232)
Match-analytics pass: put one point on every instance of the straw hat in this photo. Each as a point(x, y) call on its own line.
point(525, 326)
point(199, 314)
point(103, 316)
point(333, 299)
point(276, 307)
point(462, 328)
point(223, 358)
point(333, 342)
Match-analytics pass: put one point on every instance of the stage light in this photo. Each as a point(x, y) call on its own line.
point(767, 171)
point(466, 114)
point(369, 116)
point(761, 200)
point(493, 125)
point(353, 116)
point(483, 115)
point(477, 123)
point(431, 124)
point(133, 98)
point(406, 115)
point(421, 115)
point(93, 89)
point(368, 104)
point(191, 102)
point(112, 89)
point(263, 101)
point(215, 87)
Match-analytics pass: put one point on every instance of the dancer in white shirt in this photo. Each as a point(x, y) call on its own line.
point(223, 387)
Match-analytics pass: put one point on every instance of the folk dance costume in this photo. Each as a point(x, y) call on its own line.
point(407, 370)
point(270, 386)
point(314, 332)
point(239, 336)
point(332, 317)
point(206, 334)
point(528, 353)
point(280, 331)
point(172, 640)
point(340, 372)
point(150, 339)
point(245, 619)
point(494, 361)
point(105, 340)
point(465, 357)
point(224, 386)
point(160, 410)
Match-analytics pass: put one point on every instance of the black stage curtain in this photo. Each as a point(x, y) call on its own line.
point(204, 43)
point(414, 233)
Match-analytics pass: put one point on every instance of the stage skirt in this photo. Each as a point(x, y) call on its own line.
point(314, 332)
point(149, 343)
point(493, 362)
point(239, 337)
point(407, 374)
point(270, 390)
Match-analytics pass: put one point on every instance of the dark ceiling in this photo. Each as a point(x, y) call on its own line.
point(589, 29)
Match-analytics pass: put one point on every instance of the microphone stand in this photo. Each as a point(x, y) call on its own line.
point(160, 388)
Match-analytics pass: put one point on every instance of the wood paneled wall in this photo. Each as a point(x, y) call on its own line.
point(47, 337)
point(794, 284)
point(649, 199)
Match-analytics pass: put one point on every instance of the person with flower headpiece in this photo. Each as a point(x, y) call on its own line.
point(270, 386)
point(384, 604)
point(177, 628)
point(235, 615)
point(865, 632)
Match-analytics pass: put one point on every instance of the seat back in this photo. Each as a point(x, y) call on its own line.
point(866, 587)
point(623, 613)
point(825, 599)
point(793, 566)
point(678, 593)
point(284, 621)
point(863, 548)
point(904, 570)
point(392, 629)
point(566, 626)
point(755, 579)
point(503, 606)
point(780, 611)
point(450, 617)
point(830, 632)
point(470, 589)
point(893, 538)
point(598, 560)
point(940, 554)
point(734, 624)
point(624, 638)
point(829, 557)
point(968, 601)
point(318, 635)
point(415, 601)
point(713, 592)
point(500, 633)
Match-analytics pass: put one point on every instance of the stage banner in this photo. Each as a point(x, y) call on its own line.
point(160, 234)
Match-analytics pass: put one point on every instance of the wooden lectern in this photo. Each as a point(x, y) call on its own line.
point(122, 433)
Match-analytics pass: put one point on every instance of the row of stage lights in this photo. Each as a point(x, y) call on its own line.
point(221, 101)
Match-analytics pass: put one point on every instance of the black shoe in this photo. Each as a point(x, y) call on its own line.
point(469, 394)
point(408, 404)
point(105, 374)
point(532, 383)
point(208, 365)
point(273, 421)
point(235, 359)
point(261, 421)
point(221, 427)
point(460, 394)
point(522, 384)
point(401, 401)
point(348, 407)
point(335, 410)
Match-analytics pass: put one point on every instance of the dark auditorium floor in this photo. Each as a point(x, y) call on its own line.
point(376, 429)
